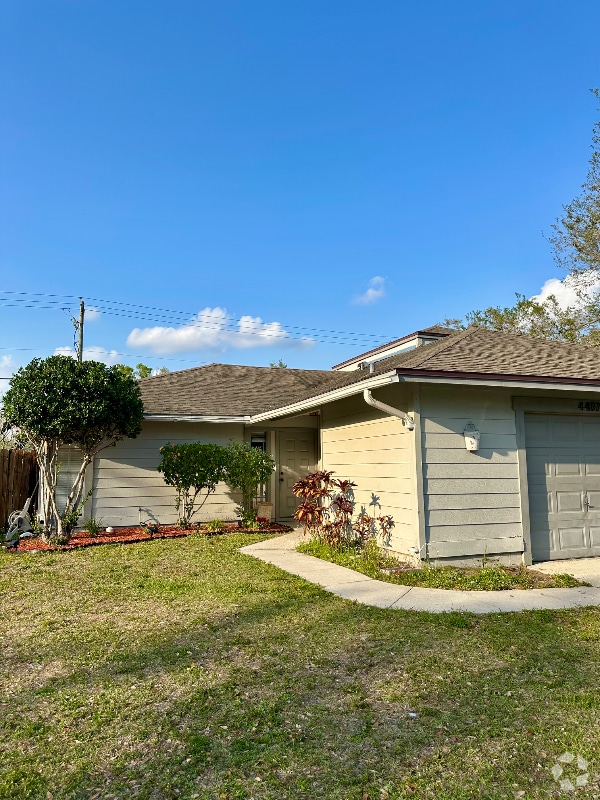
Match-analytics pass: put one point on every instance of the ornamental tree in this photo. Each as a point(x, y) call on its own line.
point(191, 469)
point(58, 401)
point(246, 468)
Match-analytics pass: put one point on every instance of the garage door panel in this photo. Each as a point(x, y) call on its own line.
point(569, 502)
point(591, 428)
point(537, 430)
point(566, 466)
point(592, 468)
point(542, 544)
point(564, 431)
point(540, 502)
point(595, 537)
point(572, 538)
point(538, 470)
point(563, 472)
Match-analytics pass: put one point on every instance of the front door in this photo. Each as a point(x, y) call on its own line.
point(296, 458)
point(563, 472)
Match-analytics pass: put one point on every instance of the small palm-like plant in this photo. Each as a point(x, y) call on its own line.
point(326, 508)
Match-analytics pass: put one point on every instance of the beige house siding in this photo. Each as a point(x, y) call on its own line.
point(471, 500)
point(375, 451)
point(69, 463)
point(125, 477)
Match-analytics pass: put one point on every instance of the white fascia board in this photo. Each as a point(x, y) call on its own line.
point(563, 387)
point(193, 418)
point(326, 397)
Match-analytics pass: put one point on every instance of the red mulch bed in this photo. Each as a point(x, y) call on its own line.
point(132, 535)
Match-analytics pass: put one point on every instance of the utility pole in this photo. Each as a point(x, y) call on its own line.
point(80, 330)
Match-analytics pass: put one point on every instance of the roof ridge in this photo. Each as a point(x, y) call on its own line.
point(213, 364)
point(432, 350)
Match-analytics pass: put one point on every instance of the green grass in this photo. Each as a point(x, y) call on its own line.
point(184, 669)
point(489, 577)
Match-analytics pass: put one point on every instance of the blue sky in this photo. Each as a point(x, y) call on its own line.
point(277, 163)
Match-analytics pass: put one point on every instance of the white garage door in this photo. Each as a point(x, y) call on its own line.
point(563, 472)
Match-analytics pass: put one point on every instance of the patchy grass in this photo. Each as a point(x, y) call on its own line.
point(184, 669)
point(374, 563)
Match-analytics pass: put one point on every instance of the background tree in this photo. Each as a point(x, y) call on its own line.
point(57, 401)
point(280, 364)
point(576, 238)
point(191, 469)
point(246, 469)
point(546, 320)
point(11, 438)
point(141, 371)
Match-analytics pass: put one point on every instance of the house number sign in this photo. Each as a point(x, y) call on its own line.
point(588, 405)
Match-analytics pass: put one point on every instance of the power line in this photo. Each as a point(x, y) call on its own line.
point(140, 312)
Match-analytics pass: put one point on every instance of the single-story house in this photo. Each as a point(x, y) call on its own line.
point(478, 443)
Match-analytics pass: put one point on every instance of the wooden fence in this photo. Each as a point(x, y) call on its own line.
point(18, 477)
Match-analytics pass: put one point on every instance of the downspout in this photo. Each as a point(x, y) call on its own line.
point(407, 421)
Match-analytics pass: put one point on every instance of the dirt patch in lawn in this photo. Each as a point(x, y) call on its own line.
point(132, 535)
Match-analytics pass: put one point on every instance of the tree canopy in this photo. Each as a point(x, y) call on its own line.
point(546, 319)
point(140, 371)
point(58, 401)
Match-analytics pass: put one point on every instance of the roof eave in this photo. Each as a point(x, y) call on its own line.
point(195, 418)
point(326, 397)
point(493, 379)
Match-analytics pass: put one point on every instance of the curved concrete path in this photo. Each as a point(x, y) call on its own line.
point(351, 585)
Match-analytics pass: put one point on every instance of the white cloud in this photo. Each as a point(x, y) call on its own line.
point(93, 353)
point(209, 330)
point(374, 293)
point(565, 291)
point(7, 367)
point(92, 314)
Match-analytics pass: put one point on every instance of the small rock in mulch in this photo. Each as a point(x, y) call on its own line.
point(135, 534)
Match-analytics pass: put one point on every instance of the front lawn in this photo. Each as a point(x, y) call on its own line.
point(183, 669)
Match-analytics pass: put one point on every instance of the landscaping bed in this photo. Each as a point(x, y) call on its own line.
point(131, 535)
point(373, 562)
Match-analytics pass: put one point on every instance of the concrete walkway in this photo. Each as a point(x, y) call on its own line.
point(351, 585)
point(584, 569)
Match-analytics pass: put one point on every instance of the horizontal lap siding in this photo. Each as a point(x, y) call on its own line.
point(472, 500)
point(126, 478)
point(375, 451)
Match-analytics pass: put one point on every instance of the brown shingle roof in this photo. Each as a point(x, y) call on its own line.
point(479, 351)
point(230, 390)
point(227, 390)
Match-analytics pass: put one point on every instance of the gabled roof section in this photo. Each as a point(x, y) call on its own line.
point(229, 390)
point(482, 352)
point(434, 331)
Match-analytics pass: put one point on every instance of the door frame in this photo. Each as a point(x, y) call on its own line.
point(277, 433)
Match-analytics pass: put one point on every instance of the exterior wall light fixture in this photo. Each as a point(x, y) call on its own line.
point(472, 436)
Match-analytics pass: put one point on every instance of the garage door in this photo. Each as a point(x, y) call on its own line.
point(563, 472)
